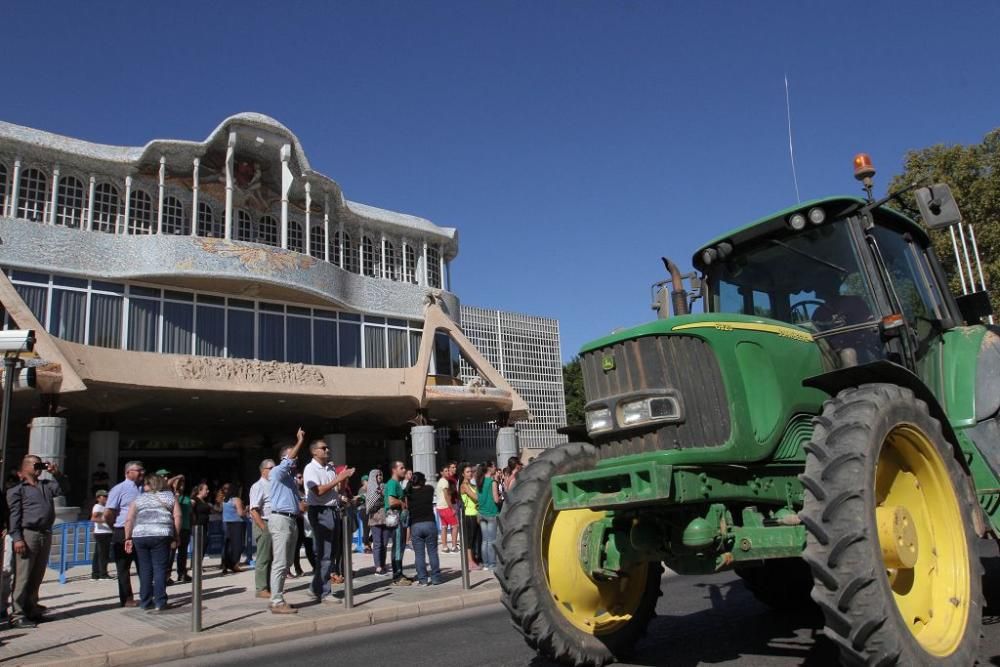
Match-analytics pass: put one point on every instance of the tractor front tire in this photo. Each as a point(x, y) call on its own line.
point(889, 514)
point(562, 613)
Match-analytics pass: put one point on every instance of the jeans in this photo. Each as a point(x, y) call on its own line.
point(182, 553)
point(398, 546)
point(29, 570)
point(473, 537)
point(325, 525)
point(488, 527)
point(99, 560)
point(424, 535)
point(153, 556)
point(123, 565)
point(263, 558)
point(380, 542)
point(284, 538)
point(232, 552)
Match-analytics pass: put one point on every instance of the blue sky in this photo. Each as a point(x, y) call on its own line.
point(572, 143)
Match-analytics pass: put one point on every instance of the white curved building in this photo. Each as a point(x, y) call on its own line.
point(199, 300)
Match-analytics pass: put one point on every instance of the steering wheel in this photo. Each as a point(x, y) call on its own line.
point(805, 317)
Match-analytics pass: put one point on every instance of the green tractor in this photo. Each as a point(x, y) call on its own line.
point(828, 428)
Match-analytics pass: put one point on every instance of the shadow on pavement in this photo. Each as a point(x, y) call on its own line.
point(47, 647)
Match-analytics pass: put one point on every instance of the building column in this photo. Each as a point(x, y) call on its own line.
point(424, 451)
point(230, 153)
point(307, 240)
point(340, 248)
point(286, 185)
point(128, 200)
point(337, 442)
point(506, 445)
point(90, 203)
point(103, 449)
point(441, 265)
point(326, 226)
point(15, 186)
point(55, 192)
point(385, 264)
point(395, 450)
point(423, 271)
point(194, 197)
point(163, 183)
point(47, 441)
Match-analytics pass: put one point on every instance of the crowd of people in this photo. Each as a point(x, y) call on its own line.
point(147, 520)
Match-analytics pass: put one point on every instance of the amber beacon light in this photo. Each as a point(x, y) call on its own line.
point(863, 166)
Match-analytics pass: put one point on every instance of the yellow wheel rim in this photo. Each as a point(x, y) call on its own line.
point(922, 537)
point(594, 607)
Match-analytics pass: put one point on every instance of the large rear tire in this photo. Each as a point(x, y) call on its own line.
point(890, 540)
point(562, 613)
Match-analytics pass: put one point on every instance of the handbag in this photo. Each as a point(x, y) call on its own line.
point(392, 518)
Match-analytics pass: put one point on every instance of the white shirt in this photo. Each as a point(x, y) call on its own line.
point(260, 497)
point(314, 475)
point(100, 528)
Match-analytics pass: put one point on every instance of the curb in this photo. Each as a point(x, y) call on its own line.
point(206, 644)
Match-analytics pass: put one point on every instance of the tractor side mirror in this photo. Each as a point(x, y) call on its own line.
point(937, 206)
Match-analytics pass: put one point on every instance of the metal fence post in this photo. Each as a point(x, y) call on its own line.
point(348, 567)
point(464, 549)
point(198, 550)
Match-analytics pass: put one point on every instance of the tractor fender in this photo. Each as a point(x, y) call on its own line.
point(888, 372)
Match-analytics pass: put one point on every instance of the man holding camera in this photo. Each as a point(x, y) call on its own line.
point(32, 513)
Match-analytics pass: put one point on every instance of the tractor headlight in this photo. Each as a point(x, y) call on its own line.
point(647, 410)
point(599, 420)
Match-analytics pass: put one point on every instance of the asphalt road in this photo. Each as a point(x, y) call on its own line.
point(711, 620)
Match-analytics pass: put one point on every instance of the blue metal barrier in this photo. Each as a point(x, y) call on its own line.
point(71, 545)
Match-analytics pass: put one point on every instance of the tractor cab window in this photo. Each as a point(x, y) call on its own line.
point(812, 279)
point(911, 280)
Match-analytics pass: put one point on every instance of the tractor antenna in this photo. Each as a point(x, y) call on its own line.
point(791, 147)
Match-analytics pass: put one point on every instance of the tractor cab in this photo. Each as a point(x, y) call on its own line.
point(862, 281)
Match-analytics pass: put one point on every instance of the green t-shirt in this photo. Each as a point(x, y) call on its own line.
point(487, 507)
point(393, 489)
point(185, 503)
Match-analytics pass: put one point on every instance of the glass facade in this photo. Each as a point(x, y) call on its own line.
point(144, 318)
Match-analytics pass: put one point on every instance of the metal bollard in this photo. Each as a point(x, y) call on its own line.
point(465, 550)
point(348, 567)
point(197, 551)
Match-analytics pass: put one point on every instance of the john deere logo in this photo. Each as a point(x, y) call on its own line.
point(608, 362)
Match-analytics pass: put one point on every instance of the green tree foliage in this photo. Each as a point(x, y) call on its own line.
point(973, 172)
point(573, 387)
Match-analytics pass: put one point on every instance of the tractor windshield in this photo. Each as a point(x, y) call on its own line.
point(812, 279)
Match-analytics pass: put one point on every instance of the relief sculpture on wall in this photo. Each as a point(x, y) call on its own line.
point(248, 371)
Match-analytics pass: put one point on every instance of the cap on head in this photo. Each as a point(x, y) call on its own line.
point(101, 493)
point(163, 472)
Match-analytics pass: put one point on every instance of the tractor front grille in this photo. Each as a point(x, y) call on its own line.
point(684, 363)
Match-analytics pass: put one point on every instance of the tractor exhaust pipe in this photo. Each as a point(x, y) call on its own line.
point(678, 295)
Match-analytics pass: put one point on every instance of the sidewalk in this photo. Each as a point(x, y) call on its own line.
point(87, 626)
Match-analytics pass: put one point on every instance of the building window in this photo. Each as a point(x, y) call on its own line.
point(140, 213)
point(410, 264)
point(433, 267)
point(350, 344)
point(70, 211)
point(335, 244)
point(210, 330)
point(374, 347)
point(299, 337)
point(69, 315)
point(3, 189)
point(271, 325)
point(106, 320)
point(31, 195)
point(324, 341)
point(207, 226)
point(240, 334)
point(317, 241)
point(369, 262)
point(107, 208)
point(244, 226)
point(391, 260)
point(178, 327)
point(143, 324)
point(396, 346)
point(295, 240)
point(173, 217)
point(267, 230)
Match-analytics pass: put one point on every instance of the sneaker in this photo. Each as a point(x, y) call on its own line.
point(402, 581)
point(264, 594)
point(283, 608)
point(130, 603)
point(332, 599)
point(381, 573)
point(423, 583)
point(187, 579)
point(434, 583)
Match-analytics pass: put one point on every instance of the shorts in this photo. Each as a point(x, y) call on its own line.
point(447, 516)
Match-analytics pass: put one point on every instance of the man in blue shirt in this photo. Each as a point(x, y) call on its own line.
point(282, 523)
point(115, 512)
